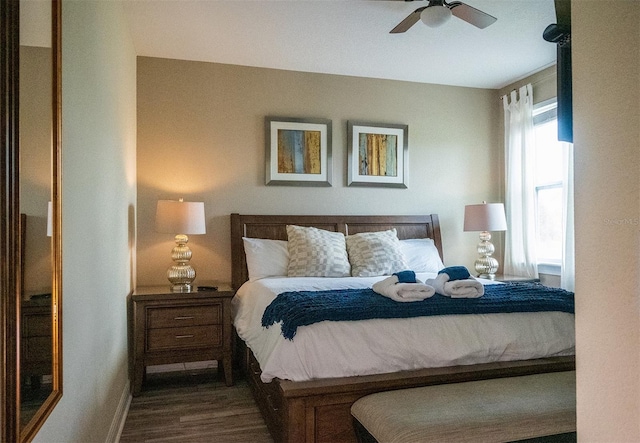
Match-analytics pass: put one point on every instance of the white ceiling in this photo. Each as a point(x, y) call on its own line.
point(348, 37)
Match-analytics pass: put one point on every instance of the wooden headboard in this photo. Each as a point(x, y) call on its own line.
point(274, 227)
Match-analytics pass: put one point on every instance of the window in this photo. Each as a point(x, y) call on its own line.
point(548, 184)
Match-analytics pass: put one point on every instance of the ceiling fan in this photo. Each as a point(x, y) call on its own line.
point(437, 12)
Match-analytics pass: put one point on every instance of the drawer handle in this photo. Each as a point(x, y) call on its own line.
point(178, 337)
point(271, 404)
point(254, 368)
point(184, 317)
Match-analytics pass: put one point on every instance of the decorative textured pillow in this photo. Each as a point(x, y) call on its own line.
point(266, 258)
point(421, 255)
point(316, 253)
point(375, 253)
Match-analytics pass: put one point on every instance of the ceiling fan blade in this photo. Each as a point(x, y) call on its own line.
point(408, 22)
point(471, 15)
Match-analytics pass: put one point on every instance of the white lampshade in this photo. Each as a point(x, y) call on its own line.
point(485, 217)
point(179, 217)
point(436, 15)
point(49, 219)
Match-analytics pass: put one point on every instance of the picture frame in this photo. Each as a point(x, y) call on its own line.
point(298, 151)
point(378, 154)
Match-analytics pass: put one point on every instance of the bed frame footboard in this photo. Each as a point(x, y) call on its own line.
point(319, 411)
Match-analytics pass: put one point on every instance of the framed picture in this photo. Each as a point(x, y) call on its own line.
point(298, 152)
point(378, 154)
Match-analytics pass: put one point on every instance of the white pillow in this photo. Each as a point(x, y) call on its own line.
point(316, 253)
point(375, 253)
point(421, 255)
point(265, 258)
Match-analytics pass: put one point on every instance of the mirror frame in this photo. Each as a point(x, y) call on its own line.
point(10, 250)
point(9, 216)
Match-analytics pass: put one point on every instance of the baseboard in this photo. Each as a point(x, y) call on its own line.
point(119, 418)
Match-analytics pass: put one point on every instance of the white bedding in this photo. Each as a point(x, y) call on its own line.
point(340, 349)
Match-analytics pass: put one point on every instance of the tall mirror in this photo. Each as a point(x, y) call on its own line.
point(32, 386)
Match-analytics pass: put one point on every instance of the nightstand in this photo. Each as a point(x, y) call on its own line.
point(35, 339)
point(175, 327)
point(514, 278)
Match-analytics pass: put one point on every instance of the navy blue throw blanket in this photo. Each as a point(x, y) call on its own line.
point(301, 308)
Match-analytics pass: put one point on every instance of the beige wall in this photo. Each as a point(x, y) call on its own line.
point(201, 137)
point(543, 83)
point(98, 223)
point(606, 86)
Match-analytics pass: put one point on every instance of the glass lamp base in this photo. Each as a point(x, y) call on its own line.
point(181, 288)
point(181, 275)
point(488, 276)
point(485, 265)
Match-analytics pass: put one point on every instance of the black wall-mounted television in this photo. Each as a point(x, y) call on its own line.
point(565, 93)
point(560, 34)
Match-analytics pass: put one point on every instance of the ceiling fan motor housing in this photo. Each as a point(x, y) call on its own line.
point(435, 15)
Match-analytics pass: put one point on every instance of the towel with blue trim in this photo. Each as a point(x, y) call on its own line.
point(303, 308)
point(406, 276)
point(403, 287)
point(455, 273)
point(456, 282)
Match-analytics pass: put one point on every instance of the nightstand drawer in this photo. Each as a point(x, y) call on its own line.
point(37, 349)
point(36, 325)
point(186, 337)
point(172, 317)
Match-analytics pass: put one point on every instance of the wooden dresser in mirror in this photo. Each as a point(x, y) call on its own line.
point(36, 338)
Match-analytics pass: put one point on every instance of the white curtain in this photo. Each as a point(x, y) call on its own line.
point(568, 276)
point(520, 244)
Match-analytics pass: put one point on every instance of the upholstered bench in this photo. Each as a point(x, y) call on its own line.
point(495, 410)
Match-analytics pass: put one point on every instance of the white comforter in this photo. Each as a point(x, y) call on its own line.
point(339, 349)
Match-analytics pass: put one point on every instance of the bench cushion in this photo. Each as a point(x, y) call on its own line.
point(503, 409)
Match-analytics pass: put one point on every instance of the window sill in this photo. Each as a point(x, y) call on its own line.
point(549, 268)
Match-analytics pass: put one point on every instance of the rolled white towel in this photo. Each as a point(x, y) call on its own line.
point(438, 283)
point(403, 292)
point(465, 288)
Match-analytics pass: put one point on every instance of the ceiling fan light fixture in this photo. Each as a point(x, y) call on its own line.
point(436, 15)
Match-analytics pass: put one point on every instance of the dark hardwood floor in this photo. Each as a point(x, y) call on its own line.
point(194, 406)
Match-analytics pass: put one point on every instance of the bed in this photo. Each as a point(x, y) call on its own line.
point(313, 404)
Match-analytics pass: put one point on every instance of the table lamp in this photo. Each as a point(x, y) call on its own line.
point(49, 219)
point(485, 217)
point(180, 218)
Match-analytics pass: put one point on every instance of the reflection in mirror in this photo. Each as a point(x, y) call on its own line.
point(38, 379)
point(35, 329)
point(35, 192)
